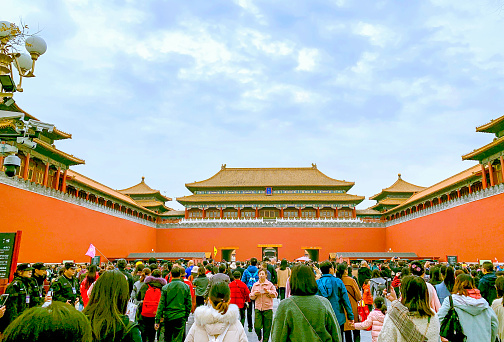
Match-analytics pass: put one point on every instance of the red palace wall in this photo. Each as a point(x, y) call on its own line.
point(472, 231)
point(55, 230)
point(293, 240)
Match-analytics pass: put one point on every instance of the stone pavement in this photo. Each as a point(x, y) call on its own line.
point(252, 337)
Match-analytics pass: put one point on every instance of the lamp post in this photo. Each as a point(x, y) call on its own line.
point(10, 37)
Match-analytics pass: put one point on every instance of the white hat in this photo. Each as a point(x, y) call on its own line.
point(195, 269)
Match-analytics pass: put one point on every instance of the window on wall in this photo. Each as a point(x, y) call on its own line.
point(231, 214)
point(308, 213)
point(344, 213)
point(212, 214)
point(195, 214)
point(290, 213)
point(248, 214)
point(269, 213)
point(326, 213)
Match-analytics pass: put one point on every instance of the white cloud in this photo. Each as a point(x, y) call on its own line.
point(307, 59)
point(378, 35)
point(249, 6)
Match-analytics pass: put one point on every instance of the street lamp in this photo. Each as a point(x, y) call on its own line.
point(10, 37)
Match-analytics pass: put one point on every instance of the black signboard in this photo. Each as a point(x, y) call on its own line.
point(452, 259)
point(6, 251)
point(95, 260)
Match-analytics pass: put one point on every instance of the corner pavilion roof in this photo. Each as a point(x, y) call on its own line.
point(368, 211)
point(444, 184)
point(142, 189)
point(494, 126)
point(486, 151)
point(274, 198)
point(400, 186)
point(274, 177)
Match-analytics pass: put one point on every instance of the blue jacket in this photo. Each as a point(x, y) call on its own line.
point(333, 289)
point(249, 272)
point(477, 318)
point(442, 292)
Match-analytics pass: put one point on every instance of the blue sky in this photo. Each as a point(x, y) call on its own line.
point(170, 90)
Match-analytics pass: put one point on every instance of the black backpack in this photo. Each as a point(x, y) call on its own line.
point(451, 328)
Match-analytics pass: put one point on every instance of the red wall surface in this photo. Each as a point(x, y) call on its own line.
point(55, 230)
point(471, 231)
point(293, 240)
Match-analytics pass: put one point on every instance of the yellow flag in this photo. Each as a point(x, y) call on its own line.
point(214, 252)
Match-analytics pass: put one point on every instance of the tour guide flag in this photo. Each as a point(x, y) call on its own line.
point(214, 252)
point(91, 252)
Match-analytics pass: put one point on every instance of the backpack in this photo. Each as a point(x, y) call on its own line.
point(151, 301)
point(252, 279)
point(451, 328)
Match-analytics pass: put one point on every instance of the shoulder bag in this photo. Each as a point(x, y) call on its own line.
point(451, 328)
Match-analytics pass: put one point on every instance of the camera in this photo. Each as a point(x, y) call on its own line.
point(11, 164)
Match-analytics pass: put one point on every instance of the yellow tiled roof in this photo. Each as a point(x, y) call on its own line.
point(54, 150)
point(490, 127)
point(141, 189)
point(474, 154)
point(274, 177)
point(79, 178)
point(368, 211)
point(399, 186)
point(235, 198)
point(459, 177)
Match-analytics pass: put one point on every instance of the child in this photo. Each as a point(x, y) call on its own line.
point(366, 296)
point(375, 319)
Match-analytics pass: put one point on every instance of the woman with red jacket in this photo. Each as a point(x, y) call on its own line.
point(91, 277)
point(240, 294)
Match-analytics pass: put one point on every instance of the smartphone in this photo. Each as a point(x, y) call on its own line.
point(3, 299)
point(388, 285)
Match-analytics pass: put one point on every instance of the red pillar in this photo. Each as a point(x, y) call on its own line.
point(203, 213)
point(27, 165)
point(354, 213)
point(318, 213)
point(63, 183)
point(483, 176)
point(470, 189)
point(221, 213)
point(448, 196)
point(501, 161)
point(1, 162)
point(491, 174)
point(458, 193)
point(87, 196)
point(46, 174)
point(257, 213)
point(336, 212)
point(186, 214)
point(299, 212)
point(281, 212)
point(56, 179)
point(239, 213)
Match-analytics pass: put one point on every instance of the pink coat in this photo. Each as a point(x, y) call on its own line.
point(263, 295)
point(375, 319)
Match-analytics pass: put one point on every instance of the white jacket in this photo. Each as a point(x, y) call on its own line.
point(209, 322)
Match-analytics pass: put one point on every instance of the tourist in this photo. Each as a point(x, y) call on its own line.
point(283, 274)
point(138, 285)
point(435, 276)
point(57, 322)
point(218, 277)
point(90, 278)
point(200, 284)
point(334, 290)
point(174, 306)
point(240, 295)
point(367, 297)
point(66, 286)
point(477, 319)
point(363, 273)
point(121, 266)
point(239, 268)
point(305, 316)
point(218, 321)
point(271, 265)
point(149, 296)
point(354, 295)
point(418, 270)
point(263, 293)
point(137, 273)
point(498, 306)
point(487, 282)
point(374, 319)
point(107, 307)
point(189, 268)
point(444, 288)
point(411, 319)
point(377, 283)
point(19, 295)
point(250, 277)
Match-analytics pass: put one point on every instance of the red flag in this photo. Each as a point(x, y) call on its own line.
point(91, 252)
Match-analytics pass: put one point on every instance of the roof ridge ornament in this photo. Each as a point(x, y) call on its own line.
point(399, 175)
point(223, 166)
point(314, 166)
point(143, 179)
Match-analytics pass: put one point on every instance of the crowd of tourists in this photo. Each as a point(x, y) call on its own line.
point(397, 300)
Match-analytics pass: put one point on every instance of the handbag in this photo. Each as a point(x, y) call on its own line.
point(131, 310)
point(451, 328)
point(363, 311)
